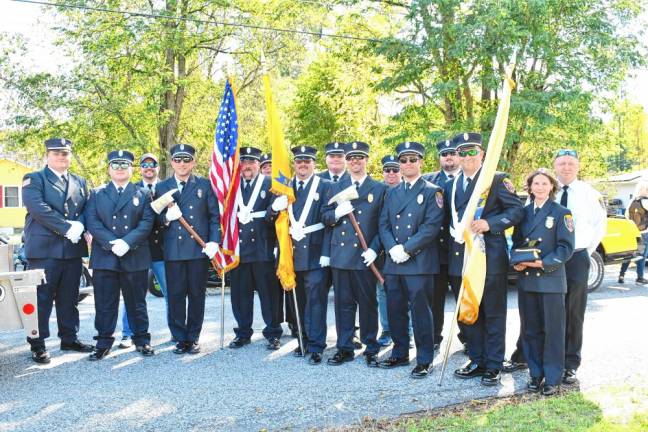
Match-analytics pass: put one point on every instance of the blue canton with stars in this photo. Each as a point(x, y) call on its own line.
point(227, 125)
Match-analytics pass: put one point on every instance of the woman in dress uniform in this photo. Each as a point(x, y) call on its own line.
point(548, 228)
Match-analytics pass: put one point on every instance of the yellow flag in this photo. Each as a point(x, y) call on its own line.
point(281, 175)
point(474, 273)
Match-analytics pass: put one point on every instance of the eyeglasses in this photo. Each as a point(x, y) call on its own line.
point(149, 164)
point(391, 170)
point(411, 159)
point(302, 161)
point(355, 157)
point(120, 165)
point(185, 159)
point(471, 152)
point(448, 153)
point(567, 152)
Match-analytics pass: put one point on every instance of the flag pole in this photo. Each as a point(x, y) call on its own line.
point(299, 328)
point(453, 325)
point(222, 332)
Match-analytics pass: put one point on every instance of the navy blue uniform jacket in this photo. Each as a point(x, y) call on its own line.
point(412, 218)
point(49, 204)
point(199, 207)
point(553, 231)
point(503, 209)
point(345, 245)
point(128, 217)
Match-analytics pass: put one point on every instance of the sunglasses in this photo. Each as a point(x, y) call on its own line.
point(391, 170)
point(567, 152)
point(120, 165)
point(302, 161)
point(355, 158)
point(148, 164)
point(471, 152)
point(411, 159)
point(448, 153)
point(185, 159)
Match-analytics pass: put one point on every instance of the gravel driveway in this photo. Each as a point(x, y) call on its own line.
point(253, 389)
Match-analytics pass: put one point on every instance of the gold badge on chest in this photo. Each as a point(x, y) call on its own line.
point(370, 198)
point(549, 222)
point(419, 199)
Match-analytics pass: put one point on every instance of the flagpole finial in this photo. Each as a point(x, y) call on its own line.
point(264, 64)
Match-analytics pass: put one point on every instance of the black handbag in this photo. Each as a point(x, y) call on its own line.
point(520, 255)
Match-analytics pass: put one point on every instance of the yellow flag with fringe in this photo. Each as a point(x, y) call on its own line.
point(281, 175)
point(474, 272)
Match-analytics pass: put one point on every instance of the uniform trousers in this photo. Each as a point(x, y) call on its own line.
point(107, 286)
point(186, 286)
point(61, 289)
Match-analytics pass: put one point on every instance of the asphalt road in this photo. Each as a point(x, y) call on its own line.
point(254, 389)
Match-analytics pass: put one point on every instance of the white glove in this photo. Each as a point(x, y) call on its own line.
point(342, 209)
point(173, 213)
point(74, 233)
point(120, 247)
point(280, 203)
point(398, 254)
point(210, 249)
point(369, 256)
point(324, 261)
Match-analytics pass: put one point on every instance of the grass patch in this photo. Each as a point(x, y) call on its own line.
point(570, 411)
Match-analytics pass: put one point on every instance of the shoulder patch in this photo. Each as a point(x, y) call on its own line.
point(569, 222)
point(439, 199)
point(508, 184)
point(26, 181)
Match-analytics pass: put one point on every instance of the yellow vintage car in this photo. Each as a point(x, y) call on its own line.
point(622, 241)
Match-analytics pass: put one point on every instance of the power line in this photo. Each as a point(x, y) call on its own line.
point(195, 20)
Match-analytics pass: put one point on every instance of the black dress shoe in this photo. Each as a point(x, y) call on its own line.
point(297, 352)
point(315, 359)
point(491, 377)
point(510, 366)
point(569, 377)
point(621, 279)
point(41, 356)
point(239, 342)
point(534, 384)
point(181, 348)
point(193, 347)
point(273, 344)
point(393, 362)
point(371, 359)
point(642, 281)
point(98, 354)
point(77, 345)
point(470, 370)
point(550, 390)
point(340, 357)
point(421, 371)
point(146, 350)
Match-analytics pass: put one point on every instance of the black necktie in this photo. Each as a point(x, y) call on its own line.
point(120, 190)
point(300, 188)
point(182, 186)
point(563, 198)
point(450, 177)
point(467, 184)
point(357, 184)
point(246, 190)
point(407, 186)
point(536, 210)
point(150, 186)
point(335, 178)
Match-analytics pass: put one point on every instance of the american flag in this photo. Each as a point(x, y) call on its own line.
point(225, 178)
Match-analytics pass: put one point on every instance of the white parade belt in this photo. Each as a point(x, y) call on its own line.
point(298, 232)
point(245, 217)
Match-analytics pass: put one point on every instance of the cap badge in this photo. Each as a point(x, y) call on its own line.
point(303, 149)
point(447, 143)
point(407, 144)
point(336, 145)
point(355, 146)
point(249, 150)
point(465, 136)
point(181, 146)
point(121, 153)
point(391, 157)
point(62, 141)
